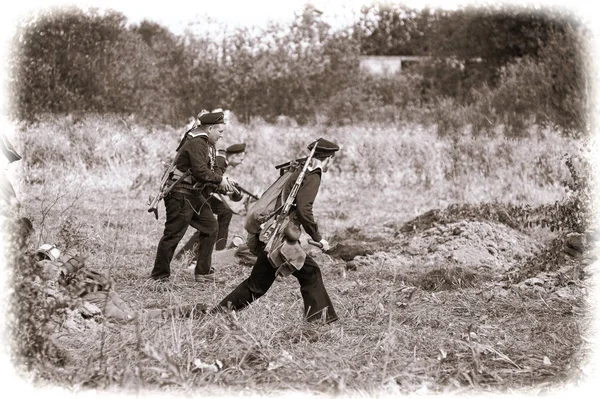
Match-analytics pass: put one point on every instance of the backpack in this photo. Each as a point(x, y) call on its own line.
point(266, 207)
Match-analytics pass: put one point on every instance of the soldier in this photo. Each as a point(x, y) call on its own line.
point(8, 198)
point(317, 303)
point(231, 156)
point(187, 204)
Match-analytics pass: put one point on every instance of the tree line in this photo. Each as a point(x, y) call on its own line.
point(486, 66)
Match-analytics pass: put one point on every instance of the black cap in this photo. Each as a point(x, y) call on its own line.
point(214, 117)
point(236, 148)
point(324, 147)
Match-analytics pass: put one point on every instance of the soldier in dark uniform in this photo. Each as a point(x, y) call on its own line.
point(187, 203)
point(231, 156)
point(317, 303)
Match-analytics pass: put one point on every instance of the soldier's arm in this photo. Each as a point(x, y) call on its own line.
point(220, 164)
point(198, 155)
point(304, 204)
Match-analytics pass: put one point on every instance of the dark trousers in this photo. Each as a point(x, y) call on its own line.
point(315, 297)
point(185, 210)
point(224, 215)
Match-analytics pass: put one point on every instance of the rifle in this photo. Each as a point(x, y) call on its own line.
point(243, 190)
point(277, 227)
point(163, 190)
point(289, 163)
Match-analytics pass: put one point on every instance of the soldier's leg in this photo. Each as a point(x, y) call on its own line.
point(204, 221)
point(179, 215)
point(189, 246)
point(224, 215)
point(315, 297)
point(256, 285)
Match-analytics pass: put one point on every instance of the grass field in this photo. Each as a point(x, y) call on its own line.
point(85, 185)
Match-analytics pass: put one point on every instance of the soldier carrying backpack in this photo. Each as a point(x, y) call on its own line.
point(274, 238)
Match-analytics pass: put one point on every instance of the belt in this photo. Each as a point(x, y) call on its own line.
point(195, 193)
point(185, 188)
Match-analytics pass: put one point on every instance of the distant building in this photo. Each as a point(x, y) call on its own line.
point(387, 64)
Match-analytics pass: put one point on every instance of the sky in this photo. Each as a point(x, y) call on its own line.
point(175, 14)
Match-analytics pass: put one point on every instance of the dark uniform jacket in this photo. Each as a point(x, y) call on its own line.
point(221, 163)
point(302, 214)
point(197, 155)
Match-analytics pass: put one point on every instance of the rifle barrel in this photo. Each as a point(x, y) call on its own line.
point(286, 164)
point(243, 190)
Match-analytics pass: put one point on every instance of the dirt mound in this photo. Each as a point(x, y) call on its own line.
point(448, 255)
point(350, 249)
point(454, 255)
point(472, 245)
point(506, 214)
point(566, 258)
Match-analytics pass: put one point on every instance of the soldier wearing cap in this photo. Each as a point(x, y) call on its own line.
point(231, 156)
point(187, 204)
point(317, 303)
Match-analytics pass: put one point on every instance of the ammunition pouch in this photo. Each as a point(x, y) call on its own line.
point(183, 186)
point(287, 257)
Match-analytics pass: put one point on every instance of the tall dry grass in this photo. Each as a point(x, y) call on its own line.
point(75, 184)
point(382, 173)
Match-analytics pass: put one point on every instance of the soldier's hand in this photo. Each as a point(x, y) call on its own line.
point(324, 245)
point(225, 185)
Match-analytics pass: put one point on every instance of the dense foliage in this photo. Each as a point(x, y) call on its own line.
point(487, 67)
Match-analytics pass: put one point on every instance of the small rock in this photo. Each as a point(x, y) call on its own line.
point(441, 248)
point(199, 366)
point(546, 361)
point(89, 310)
point(576, 241)
point(533, 281)
point(413, 251)
point(457, 231)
